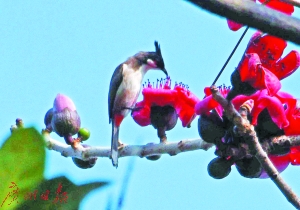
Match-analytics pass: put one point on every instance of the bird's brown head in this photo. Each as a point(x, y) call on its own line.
point(153, 59)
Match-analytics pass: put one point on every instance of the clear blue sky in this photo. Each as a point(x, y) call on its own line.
point(73, 47)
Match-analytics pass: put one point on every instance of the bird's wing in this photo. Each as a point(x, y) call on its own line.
point(115, 82)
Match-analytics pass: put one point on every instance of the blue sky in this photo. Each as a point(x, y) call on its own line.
point(73, 47)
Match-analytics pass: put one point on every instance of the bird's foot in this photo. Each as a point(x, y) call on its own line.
point(120, 145)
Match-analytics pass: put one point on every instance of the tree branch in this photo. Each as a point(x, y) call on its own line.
point(292, 2)
point(256, 16)
point(171, 148)
point(251, 139)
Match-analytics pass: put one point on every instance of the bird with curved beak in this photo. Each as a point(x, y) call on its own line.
point(125, 87)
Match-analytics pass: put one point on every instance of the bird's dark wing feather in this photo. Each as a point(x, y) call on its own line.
point(115, 82)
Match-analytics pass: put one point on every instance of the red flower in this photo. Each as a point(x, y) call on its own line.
point(288, 118)
point(208, 103)
point(273, 4)
point(180, 98)
point(261, 65)
point(295, 155)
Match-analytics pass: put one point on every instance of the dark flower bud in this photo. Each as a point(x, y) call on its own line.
point(239, 87)
point(48, 119)
point(65, 120)
point(163, 118)
point(266, 128)
point(249, 167)
point(84, 164)
point(153, 157)
point(210, 127)
point(219, 168)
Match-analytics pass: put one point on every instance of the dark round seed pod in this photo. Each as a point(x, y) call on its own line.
point(48, 118)
point(153, 157)
point(84, 164)
point(210, 127)
point(219, 168)
point(163, 116)
point(249, 167)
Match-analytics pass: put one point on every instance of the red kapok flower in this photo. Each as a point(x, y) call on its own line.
point(273, 4)
point(262, 66)
point(208, 103)
point(180, 98)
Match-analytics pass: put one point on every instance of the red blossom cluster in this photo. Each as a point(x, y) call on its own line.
point(255, 87)
point(273, 4)
point(180, 98)
point(262, 67)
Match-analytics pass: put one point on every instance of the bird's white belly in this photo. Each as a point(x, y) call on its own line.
point(128, 91)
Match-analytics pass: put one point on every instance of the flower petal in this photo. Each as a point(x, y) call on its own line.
point(206, 105)
point(288, 65)
point(295, 155)
point(234, 26)
point(61, 102)
point(269, 49)
point(272, 83)
point(274, 107)
point(142, 116)
point(280, 6)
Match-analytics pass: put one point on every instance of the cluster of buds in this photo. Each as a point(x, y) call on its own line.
point(64, 120)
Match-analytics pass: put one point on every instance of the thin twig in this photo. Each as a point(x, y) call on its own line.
point(251, 139)
point(256, 16)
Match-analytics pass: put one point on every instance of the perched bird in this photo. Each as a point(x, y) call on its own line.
point(125, 86)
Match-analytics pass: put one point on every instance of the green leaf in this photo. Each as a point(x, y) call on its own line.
point(69, 197)
point(22, 161)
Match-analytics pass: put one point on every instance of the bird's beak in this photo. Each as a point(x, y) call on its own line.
point(165, 71)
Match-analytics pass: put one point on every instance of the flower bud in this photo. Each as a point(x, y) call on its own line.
point(163, 116)
point(210, 127)
point(65, 120)
point(48, 119)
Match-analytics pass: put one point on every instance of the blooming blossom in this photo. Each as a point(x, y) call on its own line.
point(262, 66)
point(179, 97)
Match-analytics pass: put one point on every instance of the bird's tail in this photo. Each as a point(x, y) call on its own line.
point(114, 144)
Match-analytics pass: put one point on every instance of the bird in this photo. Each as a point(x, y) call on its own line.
point(125, 87)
